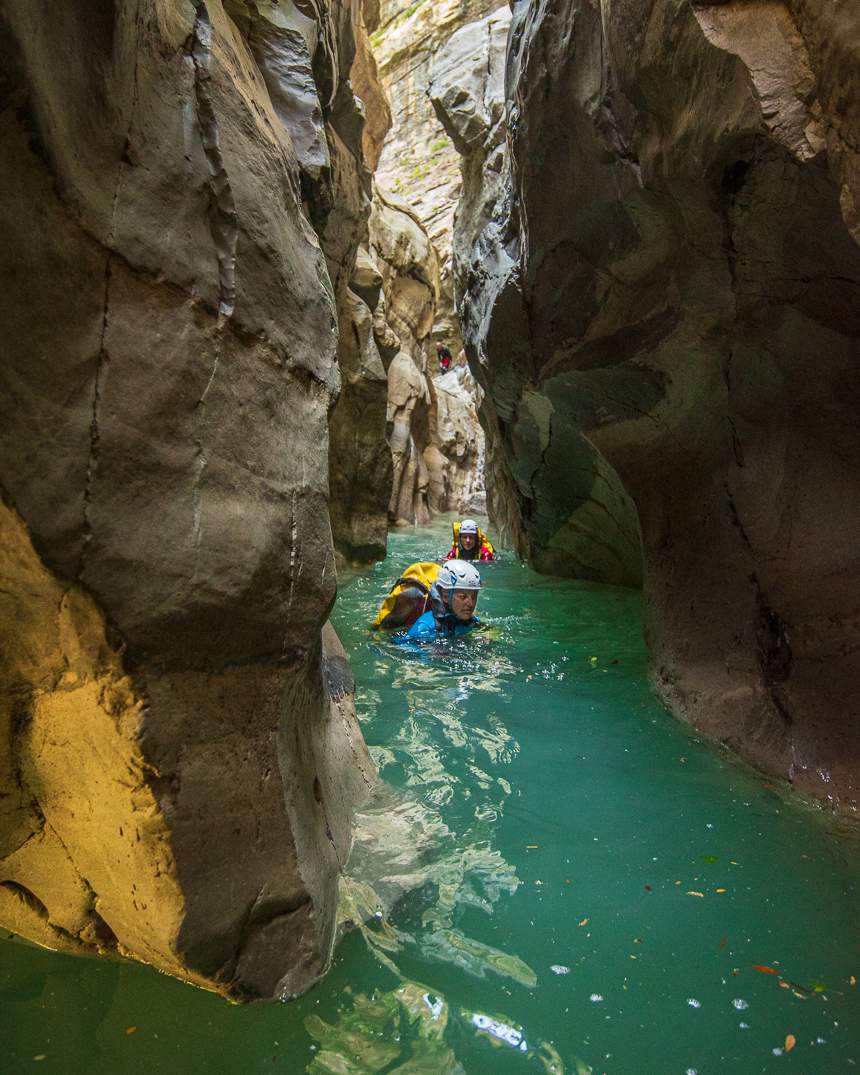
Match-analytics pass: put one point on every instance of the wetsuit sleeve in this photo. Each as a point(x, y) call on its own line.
point(420, 631)
point(452, 554)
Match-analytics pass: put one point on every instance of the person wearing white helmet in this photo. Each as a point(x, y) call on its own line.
point(469, 543)
point(454, 596)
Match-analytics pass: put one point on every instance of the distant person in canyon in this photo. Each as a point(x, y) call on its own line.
point(454, 595)
point(470, 543)
point(444, 354)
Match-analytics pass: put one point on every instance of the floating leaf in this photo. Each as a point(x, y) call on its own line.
point(722, 943)
point(702, 894)
point(784, 985)
point(817, 987)
point(709, 858)
point(764, 970)
point(131, 1030)
point(582, 923)
point(648, 887)
point(638, 940)
point(790, 1042)
point(766, 785)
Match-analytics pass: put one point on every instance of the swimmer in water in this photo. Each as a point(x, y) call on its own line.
point(454, 595)
point(469, 543)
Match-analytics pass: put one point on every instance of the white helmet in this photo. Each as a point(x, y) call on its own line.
point(458, 575)
point(468, 526)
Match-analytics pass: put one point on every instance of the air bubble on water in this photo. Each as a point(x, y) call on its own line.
point(557, 968)
point(691, 1071)
point(741, 1005)
point(744, 1026)
point(777, 1052)
point(595, 997)
point(694, 1003)
point(821, 1041)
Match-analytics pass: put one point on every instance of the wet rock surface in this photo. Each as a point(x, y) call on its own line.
point(178, 786)
point(663, 314)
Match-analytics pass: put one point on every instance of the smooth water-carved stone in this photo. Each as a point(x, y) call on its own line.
point(178, 783)
point(665, 305)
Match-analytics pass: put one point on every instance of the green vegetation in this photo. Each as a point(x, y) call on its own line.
point(378, 36)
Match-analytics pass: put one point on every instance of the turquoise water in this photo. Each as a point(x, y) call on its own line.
point(594, 887)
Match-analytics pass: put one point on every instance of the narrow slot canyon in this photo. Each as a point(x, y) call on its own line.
point(290, 289)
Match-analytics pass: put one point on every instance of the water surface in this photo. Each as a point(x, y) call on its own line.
point(593, 889)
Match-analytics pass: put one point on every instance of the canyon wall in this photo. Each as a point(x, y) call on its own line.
point(663, 312)
point(183, 193)
point(419, 162)
point(436, 440)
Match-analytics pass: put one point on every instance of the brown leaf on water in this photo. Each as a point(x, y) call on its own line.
point(764, 970)
point(784, 985)
point(131, 1030)
point(763, 785)
point(638, 940)
point(790, 1042)
point(648, 887)
point(582, 923)
point(722, 943)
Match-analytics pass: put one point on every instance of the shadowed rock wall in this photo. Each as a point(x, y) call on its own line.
point(181, 755)
point(664, 315)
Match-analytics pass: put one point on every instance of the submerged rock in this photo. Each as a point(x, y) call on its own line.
point(663, 314)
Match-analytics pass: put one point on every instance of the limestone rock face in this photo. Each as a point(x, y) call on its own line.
point(664, 314)
point(436, 440)
point(418, 162)
point(410, 271)
point(467, 91)
point(181, 756)
point(360, 466)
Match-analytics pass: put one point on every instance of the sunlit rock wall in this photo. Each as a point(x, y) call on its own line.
point(467, 91)
point(664, 314)
point(418, 161)
point(180, 756)
point(436, 439)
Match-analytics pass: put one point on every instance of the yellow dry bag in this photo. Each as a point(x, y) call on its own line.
point(409, 598)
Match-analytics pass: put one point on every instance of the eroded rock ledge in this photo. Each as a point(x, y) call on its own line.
point(664, 315)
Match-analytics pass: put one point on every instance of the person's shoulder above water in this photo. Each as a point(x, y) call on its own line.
point(424, 627)
point(454, 596)
point(469, 542)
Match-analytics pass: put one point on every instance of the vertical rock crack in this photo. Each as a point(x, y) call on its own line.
point(222, 209)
